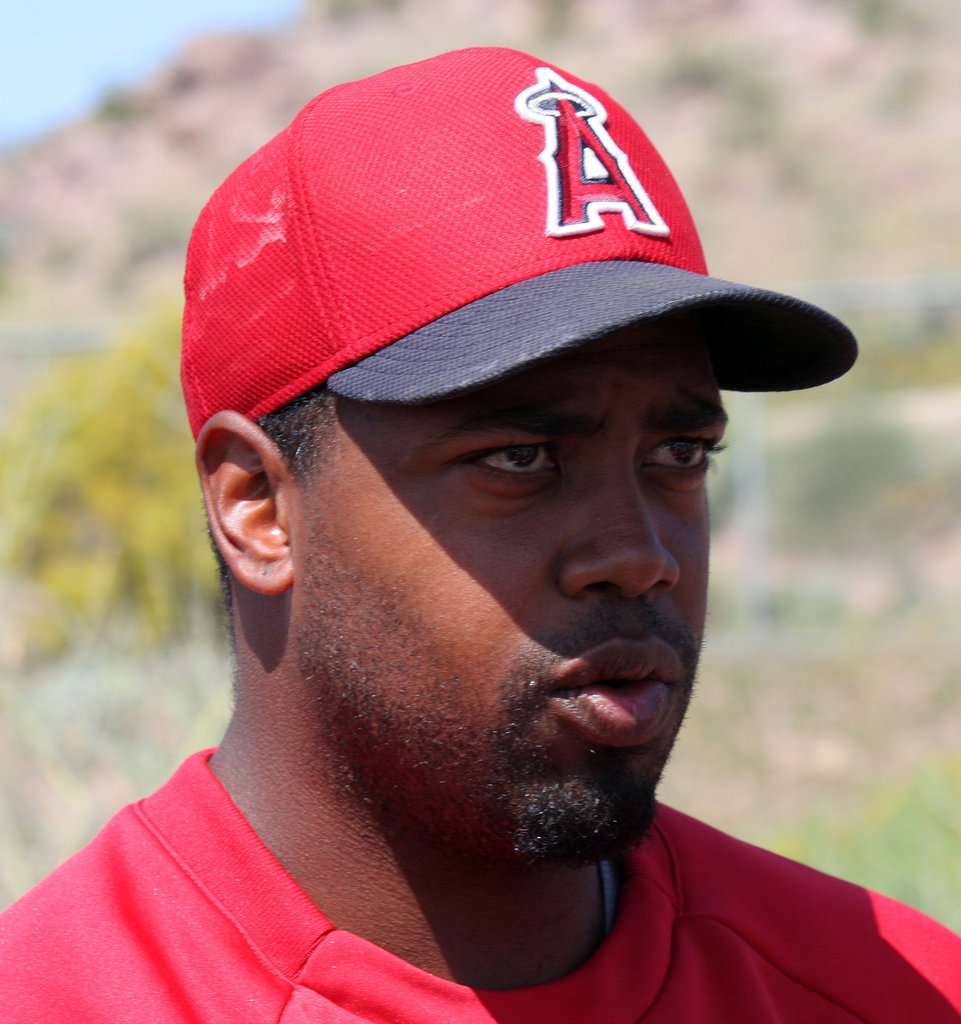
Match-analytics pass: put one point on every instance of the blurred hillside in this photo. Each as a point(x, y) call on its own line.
point(812, 137)
point(817, 141)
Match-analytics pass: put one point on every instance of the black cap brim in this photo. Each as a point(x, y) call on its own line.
point(758, 340)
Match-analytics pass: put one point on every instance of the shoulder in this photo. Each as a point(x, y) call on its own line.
point(826, 934)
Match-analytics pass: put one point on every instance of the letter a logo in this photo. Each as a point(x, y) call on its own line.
point(587, 173)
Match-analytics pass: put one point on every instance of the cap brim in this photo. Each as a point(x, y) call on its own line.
point(758, 340)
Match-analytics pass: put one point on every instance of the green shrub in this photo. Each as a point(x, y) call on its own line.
point(750, 105)
point(121, 105)
point(904, 843)
point(104, 513)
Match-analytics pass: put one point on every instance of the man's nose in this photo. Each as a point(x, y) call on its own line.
point(619, 547)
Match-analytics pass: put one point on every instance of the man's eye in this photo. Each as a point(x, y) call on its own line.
point(684, 453)
point(519, 458)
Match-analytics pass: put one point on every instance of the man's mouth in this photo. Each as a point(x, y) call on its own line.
point(620, 693)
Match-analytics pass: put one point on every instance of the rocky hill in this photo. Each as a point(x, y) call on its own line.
point(814, 138)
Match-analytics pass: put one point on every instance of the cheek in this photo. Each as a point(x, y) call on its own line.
point(444, 585)
point(689, 543)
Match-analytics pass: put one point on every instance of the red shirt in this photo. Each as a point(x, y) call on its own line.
point(178, 913)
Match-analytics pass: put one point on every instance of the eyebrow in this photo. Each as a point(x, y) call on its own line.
point(531, 418)
point(694, 413)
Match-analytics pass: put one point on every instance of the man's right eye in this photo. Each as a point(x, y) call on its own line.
point(519, 458)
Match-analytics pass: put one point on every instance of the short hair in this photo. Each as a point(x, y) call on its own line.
point(299, 429)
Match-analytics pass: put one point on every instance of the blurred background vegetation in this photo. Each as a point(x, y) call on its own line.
point(818, 143)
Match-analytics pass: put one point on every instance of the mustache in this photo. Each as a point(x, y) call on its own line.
point(609, 621)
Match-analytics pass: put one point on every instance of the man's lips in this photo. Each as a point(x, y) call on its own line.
point(620, 693)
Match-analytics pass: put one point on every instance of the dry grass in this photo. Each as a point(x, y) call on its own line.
point(81, 737)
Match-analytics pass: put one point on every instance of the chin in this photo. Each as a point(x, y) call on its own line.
point(579, 822)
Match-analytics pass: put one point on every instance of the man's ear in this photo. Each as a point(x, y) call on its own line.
point(248, 490)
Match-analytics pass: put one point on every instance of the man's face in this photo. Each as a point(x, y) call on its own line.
point(499, 599)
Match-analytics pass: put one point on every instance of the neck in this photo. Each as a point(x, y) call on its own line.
point(487, 925)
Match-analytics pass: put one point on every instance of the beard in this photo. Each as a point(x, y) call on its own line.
point(429, 756)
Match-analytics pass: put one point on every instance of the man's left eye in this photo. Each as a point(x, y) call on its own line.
point(683, 453)
point(519, 458)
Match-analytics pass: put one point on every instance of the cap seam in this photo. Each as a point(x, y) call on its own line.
point(307, 232)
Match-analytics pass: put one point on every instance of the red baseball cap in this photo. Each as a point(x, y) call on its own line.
point(422, 232)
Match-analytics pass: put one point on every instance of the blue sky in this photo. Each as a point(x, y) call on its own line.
point(59, 57)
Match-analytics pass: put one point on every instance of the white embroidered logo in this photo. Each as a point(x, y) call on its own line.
point(587, 172)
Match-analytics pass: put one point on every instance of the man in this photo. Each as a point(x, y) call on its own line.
point(452, 360)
